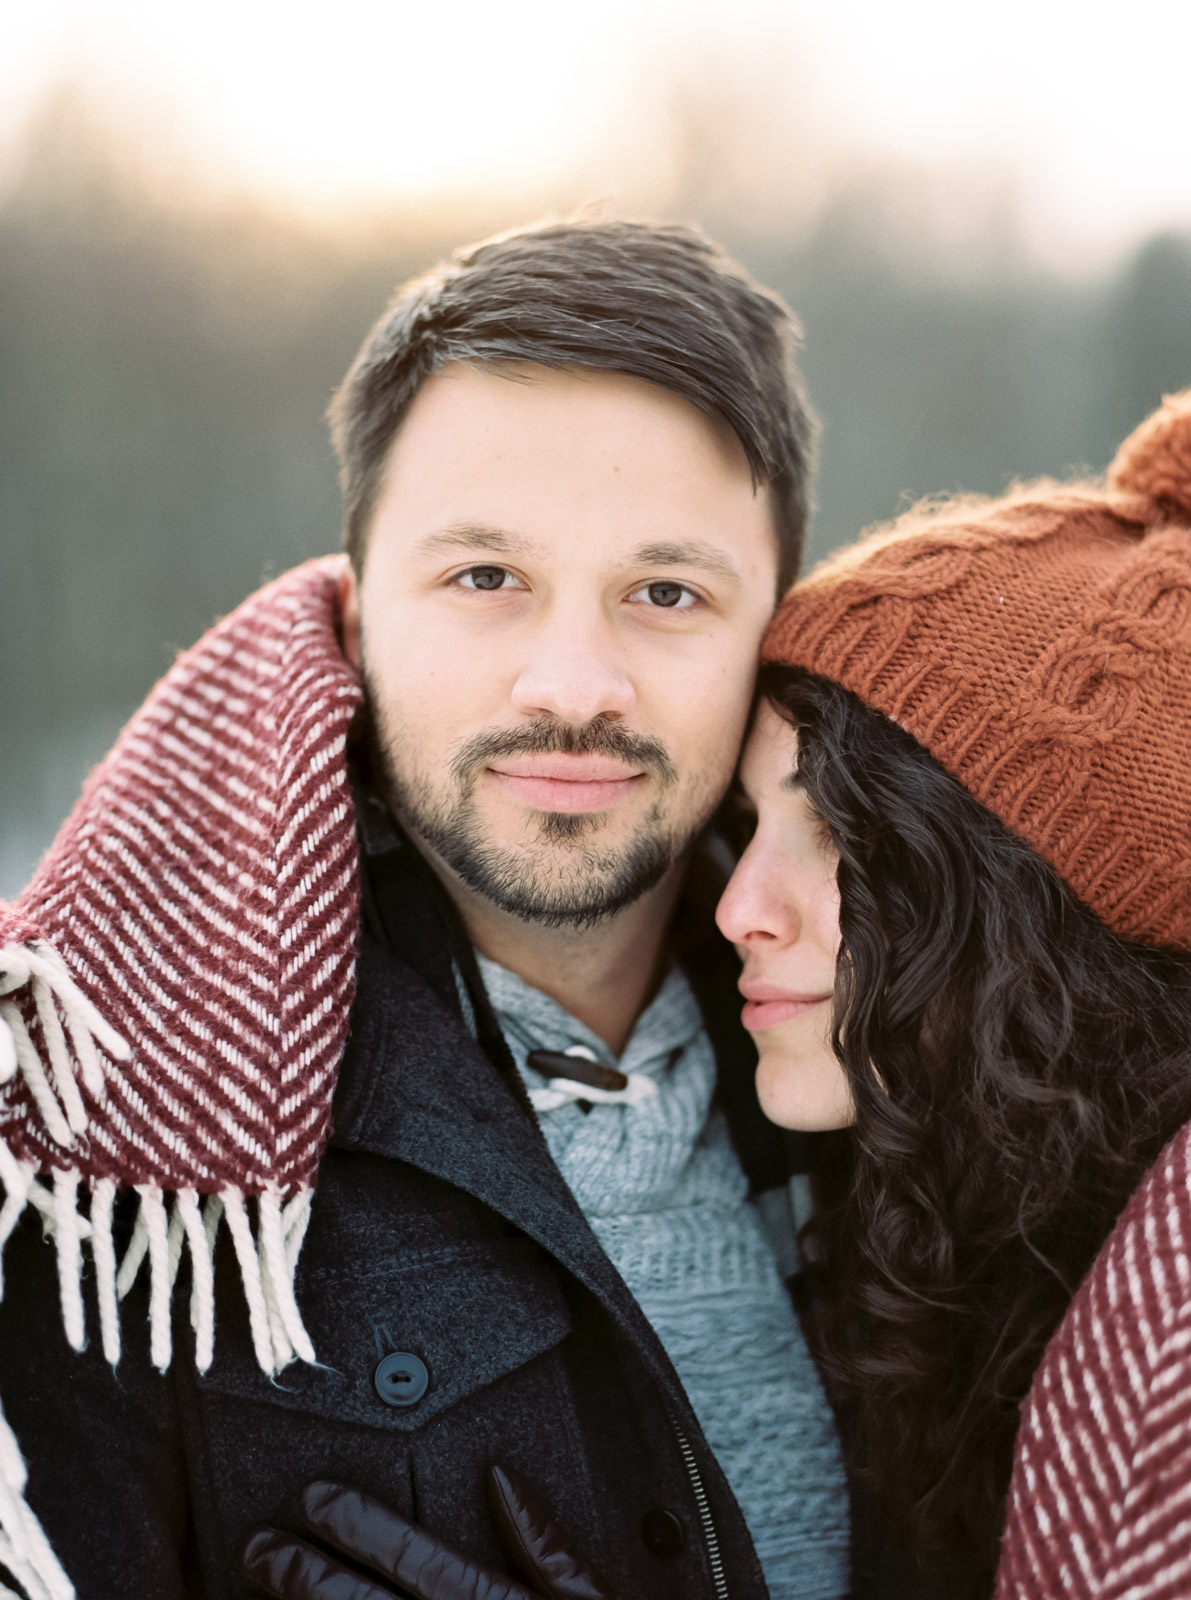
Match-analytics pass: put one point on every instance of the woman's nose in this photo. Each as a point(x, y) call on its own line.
point(758, 906)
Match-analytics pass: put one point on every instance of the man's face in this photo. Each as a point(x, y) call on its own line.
point(567, 579)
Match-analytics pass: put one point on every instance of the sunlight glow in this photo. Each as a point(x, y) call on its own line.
point(340, 100)
point(1082, 103)
point(1086, 100)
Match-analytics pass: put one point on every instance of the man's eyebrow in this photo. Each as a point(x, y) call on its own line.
point(689, 553)
point(474, 536)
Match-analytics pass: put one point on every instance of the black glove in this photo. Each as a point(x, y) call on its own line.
point(412, 1562)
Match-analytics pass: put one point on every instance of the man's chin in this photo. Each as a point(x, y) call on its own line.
point(535, 833)
point(560, 884)
point(561, 869)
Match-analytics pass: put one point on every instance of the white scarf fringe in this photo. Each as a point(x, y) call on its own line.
point(62, 1009)
point(267, 1255)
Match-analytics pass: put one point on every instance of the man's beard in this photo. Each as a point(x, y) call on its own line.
point(565, 879)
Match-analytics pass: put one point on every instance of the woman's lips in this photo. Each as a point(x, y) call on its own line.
point(767, 1007)
point(565, 782)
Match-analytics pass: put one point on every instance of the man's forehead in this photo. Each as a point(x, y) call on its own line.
point(479, 415)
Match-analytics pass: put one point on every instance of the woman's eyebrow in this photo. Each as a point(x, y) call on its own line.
point(688, 553)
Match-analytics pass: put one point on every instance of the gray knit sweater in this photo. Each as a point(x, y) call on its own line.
point(665, 1193)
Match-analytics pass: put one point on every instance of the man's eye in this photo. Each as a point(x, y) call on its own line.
point(673, 596)
point(486, 578)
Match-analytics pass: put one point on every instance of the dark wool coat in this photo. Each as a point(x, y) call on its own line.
point(442, 1231)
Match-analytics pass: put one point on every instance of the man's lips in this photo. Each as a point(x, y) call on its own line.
point(765, 1005)
point(558, 782)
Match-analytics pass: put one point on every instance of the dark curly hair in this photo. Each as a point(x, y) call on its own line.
point(1015, 1067)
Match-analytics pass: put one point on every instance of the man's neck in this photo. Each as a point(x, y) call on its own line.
point(604, 975)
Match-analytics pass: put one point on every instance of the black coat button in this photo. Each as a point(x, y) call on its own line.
point(401, 1379)
point(663, 1533)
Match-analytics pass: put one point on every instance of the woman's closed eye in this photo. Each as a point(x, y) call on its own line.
point(738, 820)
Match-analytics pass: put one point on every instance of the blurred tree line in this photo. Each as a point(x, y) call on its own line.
point(165, 363)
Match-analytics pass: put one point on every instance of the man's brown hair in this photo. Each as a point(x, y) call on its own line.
point(654, 301)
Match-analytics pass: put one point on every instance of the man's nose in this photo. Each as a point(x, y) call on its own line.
point(574, 671)
point(758, 907)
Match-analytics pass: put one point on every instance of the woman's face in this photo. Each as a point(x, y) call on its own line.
point(781, 911)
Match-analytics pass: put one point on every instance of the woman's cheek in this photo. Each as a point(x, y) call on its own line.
point(826, 914)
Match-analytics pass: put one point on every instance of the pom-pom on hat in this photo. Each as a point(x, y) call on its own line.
point(1039, 647)
point(1155, 460)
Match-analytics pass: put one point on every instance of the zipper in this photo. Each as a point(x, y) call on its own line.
point(710, 1537)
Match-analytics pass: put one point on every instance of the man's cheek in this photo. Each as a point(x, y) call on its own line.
point(712, 730)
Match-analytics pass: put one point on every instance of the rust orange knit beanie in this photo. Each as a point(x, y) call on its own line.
point(1039, 647)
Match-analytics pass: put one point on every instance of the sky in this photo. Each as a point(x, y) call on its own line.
point(1082, 107)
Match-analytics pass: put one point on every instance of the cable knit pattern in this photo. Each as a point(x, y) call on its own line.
point(1039, 646)
point(664, 1191)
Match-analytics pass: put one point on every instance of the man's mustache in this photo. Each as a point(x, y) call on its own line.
point(549, 736)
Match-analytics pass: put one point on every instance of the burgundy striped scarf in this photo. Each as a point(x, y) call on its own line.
point(1100, 1501)
point(175, 986)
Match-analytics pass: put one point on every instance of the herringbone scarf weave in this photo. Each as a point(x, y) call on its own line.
point(175, 987)
point(203, 898)
point(1100, 1501)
